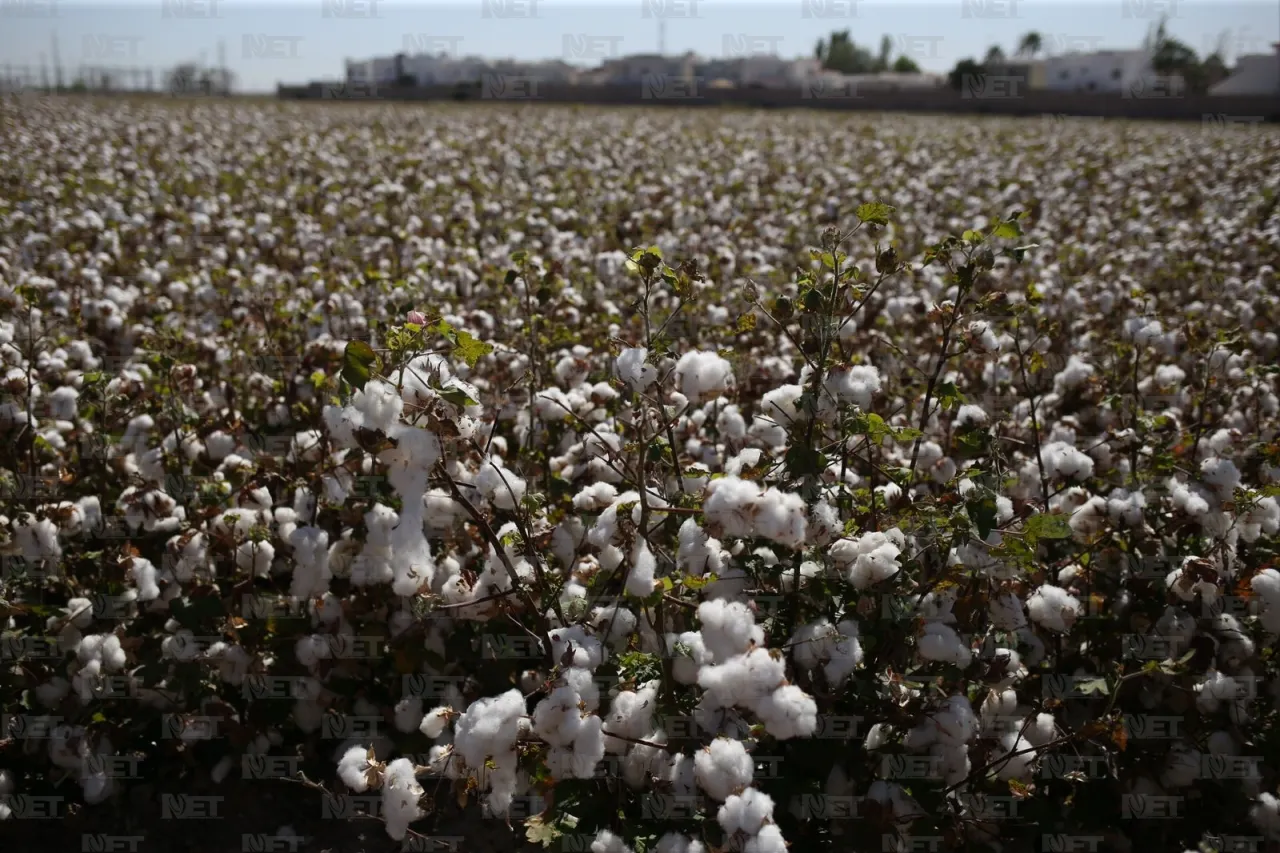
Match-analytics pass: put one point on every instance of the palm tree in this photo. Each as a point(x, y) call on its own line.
point(1030, 45)
point(995, 55)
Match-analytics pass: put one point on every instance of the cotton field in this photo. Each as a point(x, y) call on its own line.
point(633, 480)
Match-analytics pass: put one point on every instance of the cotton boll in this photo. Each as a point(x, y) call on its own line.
point(607, 842)
point(689, 656)
point(400, 795)
point(787, 712)
point(500, 486)
point(674, 842)
point(640, 580)
point(435, 721)
point(1182, 766)
point(1053, 608)
point(867, 560)
point(940, 642)
point(630, 367)
point(746, 812)
point(702, 376)
point(1016, 757)
point(728, 627)
point(723, 767)
point(355, 770)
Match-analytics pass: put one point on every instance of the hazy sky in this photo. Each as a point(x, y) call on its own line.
point(301, 40)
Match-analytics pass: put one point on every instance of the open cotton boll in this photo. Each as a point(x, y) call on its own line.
point(400, 795)
point(489, 726)
point(640, 580)
point(255, 557)
point(723, 767)
point(744, 679)
point(1015, 756)
point(557, 718)
point(1265, 815)
point(355, 770)
point(588, 651)
point(498, 485)
point(869, 559)
point(940, 642)
point(435, 721)
point(1006, 612)
point(630, 716)
point(145, 578)
point(1054, 608)
point(631, 368)
point(674, 842)
point(728, 628)
point(689, 655)
point(1063, 460)
point(702, 376)
point(787, 712)
point(746, 812)
point(378, 404)
point(768, 840)
point(607, 842)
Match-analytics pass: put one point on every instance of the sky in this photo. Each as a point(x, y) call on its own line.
point(296, 41)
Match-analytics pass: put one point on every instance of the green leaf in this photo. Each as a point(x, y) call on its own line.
point(747, 322)
point(519, 256)
point(358, 363)
point(874, 213)
point(1047, 526)
point(1007, 230)
point(949, 396)
point(470, 349)
point(983, 514)
point(458, 397)
point(972, 236)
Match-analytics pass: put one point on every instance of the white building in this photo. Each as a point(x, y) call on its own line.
point(634, 70)
point(1256, 74)
point(1107, 71)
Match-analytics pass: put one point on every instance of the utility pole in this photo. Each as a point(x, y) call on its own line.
point(57, 63)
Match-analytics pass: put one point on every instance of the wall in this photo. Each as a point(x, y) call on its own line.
point(1015, 100)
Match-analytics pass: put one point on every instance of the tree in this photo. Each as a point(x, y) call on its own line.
point(886, 48)
point(839, 53)
point(965, 70)
point(906, 65)
point(995, 55)
point(1030, 45)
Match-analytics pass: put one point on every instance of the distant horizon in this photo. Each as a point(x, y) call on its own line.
point(298, 41)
